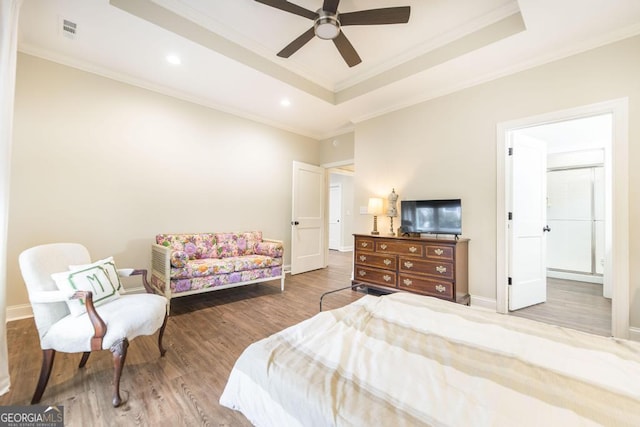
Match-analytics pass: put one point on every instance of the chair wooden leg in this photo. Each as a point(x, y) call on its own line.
point(119, 350)
point(85, 357)
point(45, 372)
point(160, 335)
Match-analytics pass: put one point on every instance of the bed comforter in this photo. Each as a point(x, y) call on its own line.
point(410, 360)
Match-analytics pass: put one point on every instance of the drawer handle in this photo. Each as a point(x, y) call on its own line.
point(362, 273)
point(364, 244)
point(383, 246)
point(387, 262)
point(363, 258)
point(440, 288)
point(441, 269)
point(386, 278)
point(408, 282)
point(408, 264)
point(413, 249)
point(438, 251)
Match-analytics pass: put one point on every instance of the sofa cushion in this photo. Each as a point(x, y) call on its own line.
point(250, 262)
point(235, 244)
point(197, 283)
point(196, 246)
point(247, 242)
point(203, 267)
point(227, 244)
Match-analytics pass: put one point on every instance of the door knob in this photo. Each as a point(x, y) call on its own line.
point(546, 228)
point(294, 223)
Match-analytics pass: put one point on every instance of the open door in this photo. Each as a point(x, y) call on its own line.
point(307, 218)
point(335, 216)
point(527, 267)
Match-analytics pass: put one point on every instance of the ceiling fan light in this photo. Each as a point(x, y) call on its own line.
point(327, 26)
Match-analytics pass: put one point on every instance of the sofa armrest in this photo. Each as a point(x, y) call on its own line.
point(161, 269)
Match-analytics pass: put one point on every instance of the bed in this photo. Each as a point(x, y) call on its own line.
point(409, 360)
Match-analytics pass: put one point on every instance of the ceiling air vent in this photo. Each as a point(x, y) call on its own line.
point(69, 29)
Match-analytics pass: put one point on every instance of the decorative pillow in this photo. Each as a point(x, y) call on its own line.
point(271, 249)
point(227, 244)
point(110, 265)
point(179, 259)
point(247, 242)
point(94, 278)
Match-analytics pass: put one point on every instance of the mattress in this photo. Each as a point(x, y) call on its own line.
point(409, 360)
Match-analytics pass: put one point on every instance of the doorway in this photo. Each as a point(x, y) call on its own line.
point(335, 216)
point(340, 189)
point(616, 212)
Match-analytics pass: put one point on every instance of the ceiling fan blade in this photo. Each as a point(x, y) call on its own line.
point(346, 49)
point(330, 6)
point(290, 7)
point(389, 15)
point(293, 47)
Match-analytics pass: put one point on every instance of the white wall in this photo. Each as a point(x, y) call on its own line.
point(110, 165)
point(446, 147)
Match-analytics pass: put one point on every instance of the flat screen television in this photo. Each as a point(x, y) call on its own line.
point(431, 216)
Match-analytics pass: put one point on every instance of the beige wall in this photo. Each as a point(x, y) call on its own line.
point(446, 147)
point(111, 165)
point(337, 149)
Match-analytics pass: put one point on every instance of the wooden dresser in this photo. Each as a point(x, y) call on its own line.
point(427, 266)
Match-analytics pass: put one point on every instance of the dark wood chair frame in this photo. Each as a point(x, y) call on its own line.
point(119, 348)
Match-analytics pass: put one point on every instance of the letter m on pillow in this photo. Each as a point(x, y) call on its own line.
point(97, 285)
point(95, 279)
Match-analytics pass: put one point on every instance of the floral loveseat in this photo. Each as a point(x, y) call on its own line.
point(186, 264)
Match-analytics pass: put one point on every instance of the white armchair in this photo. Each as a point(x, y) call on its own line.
point(108, 325)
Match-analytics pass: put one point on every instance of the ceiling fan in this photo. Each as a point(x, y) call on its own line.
point(328, 22)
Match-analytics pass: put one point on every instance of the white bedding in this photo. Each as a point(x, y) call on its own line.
point(409, 360)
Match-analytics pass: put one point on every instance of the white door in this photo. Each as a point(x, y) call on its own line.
point(527, 267)
point(307, 218)
point(335, 216)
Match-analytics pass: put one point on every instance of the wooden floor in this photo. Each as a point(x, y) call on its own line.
point(576, 305)
point(204, 337)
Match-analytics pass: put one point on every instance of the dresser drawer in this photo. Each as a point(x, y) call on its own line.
point(439, 252)
point(438, 288)
point(399, 248)
point(376, 260)
point(373, 275)
point(438, 269)
point(364, 244)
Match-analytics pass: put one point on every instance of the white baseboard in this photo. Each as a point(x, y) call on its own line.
point(634, 333)
point(17, 312)
point(575, 276)
point(482, 302)
point(343, 249)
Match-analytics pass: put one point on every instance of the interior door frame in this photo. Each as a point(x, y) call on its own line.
point(333, 167)
point(616, 200)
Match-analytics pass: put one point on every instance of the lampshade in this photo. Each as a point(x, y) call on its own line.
point(375, 206)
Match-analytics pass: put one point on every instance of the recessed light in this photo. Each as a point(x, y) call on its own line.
point(285, 102)
point(173, 59)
